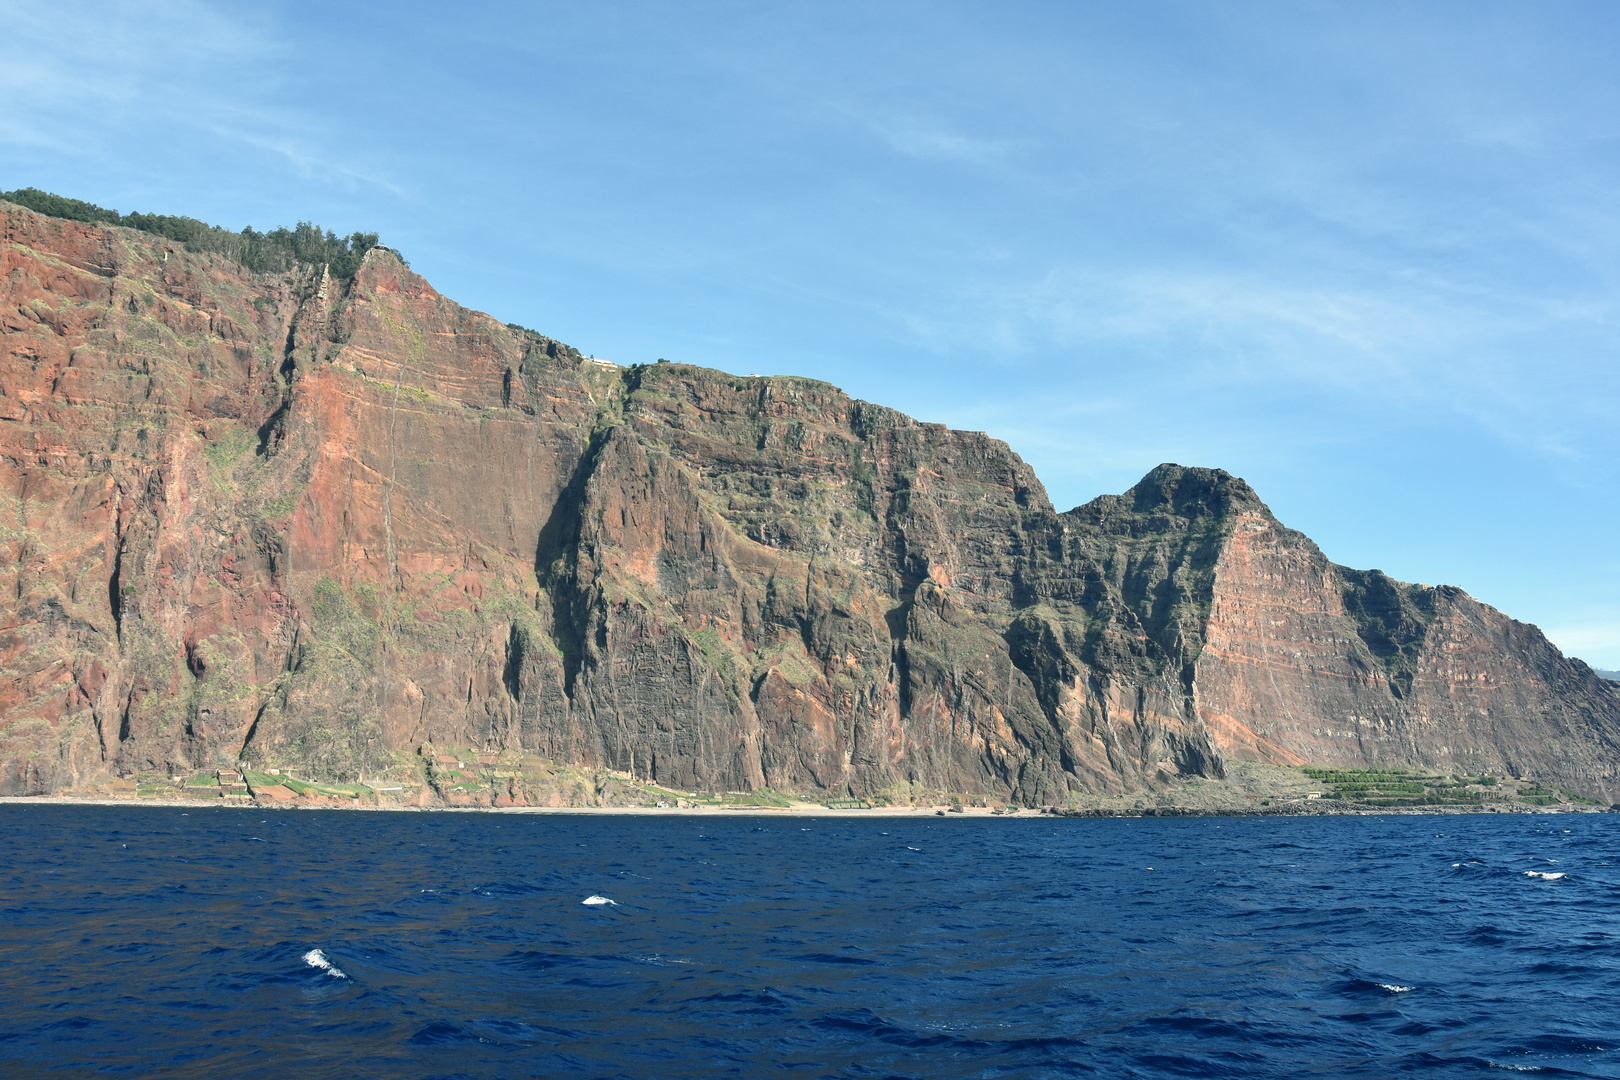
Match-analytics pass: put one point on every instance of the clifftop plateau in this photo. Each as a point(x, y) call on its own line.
point(307, 521)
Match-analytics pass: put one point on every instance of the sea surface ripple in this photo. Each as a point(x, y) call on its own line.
point(233, 942)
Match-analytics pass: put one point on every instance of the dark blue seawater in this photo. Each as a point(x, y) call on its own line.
point(151, 941)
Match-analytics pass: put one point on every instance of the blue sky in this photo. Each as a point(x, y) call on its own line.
point(1364, 255)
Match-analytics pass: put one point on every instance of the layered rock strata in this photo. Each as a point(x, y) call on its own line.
point(318, 523)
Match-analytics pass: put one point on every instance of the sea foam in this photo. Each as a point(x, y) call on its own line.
point(317, 959)
point(594, 901)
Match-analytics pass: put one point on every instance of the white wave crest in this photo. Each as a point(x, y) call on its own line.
point(1542, 876)
point(596, 901)
point(1392, 988)
point(317, 959)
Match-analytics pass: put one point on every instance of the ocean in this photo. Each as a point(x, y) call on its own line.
point(244, 943)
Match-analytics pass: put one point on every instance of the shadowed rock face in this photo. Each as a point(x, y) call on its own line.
point(318, 522)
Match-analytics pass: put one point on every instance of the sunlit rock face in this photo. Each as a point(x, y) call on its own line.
point(319, 523)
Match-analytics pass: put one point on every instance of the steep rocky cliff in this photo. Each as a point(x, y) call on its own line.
point(315, 522)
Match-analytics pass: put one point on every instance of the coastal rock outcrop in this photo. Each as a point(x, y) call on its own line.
point(299, 520)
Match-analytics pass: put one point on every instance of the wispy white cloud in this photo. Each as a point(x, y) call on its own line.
point(1416, 345)
point(936, 142)
point(181, 73)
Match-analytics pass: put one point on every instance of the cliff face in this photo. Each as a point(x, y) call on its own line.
point(1308, 661)
point(317, 523)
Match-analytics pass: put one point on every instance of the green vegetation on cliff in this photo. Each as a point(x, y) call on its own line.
point(272, 252)
point(1392, 618)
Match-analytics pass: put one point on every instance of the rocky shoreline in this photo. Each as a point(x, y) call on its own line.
point(1342, 810)
point(816, 810)
point(460, 780)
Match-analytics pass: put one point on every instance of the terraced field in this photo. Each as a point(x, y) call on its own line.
point(1405, 787)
